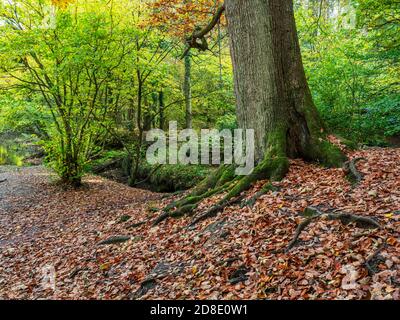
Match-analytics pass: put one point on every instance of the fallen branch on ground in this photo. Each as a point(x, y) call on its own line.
point(106, 166)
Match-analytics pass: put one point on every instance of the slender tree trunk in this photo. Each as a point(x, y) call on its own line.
point(187, 89)
point(147, 115)
point(138, 149)
point(70, 173)
point(161, 106)
point(273, 96)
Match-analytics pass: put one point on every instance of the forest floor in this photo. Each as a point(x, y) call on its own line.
point(49, 233)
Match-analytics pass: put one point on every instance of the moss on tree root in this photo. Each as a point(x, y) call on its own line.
point(221, 181)
point(273, 167)
point(326, 153)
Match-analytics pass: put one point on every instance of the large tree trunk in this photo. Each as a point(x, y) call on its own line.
point(272, 93)
point(273, 98)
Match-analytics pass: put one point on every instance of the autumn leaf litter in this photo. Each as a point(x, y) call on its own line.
point(240, 254)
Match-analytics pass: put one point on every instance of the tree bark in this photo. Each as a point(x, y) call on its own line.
point(272, 98)
point(272, 93)
point(161, 106)
point(187, 89)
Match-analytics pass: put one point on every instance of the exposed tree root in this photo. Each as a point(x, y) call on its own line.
point(221, 181)
point(361, 222)
point(304, 224)
point(344, 218)
point(167, 195)
point(369, 263)
point(76, 271)
point(136, 225)
point(264, 190)
point(187, 205)
point(273, 167)
point(350, 168)
point(164, 215)
point(115, 240)
point(214, 210)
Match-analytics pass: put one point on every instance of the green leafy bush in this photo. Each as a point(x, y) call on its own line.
point(371, 124)
point(8, 157)
point(228, 121)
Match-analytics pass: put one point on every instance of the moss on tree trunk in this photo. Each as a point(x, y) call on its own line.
point(273, 99)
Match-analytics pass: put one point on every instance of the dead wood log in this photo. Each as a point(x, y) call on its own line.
point(112, 164)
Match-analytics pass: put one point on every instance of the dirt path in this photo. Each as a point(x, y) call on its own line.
point(15, 184)
point(42, 225)
point(18, 191)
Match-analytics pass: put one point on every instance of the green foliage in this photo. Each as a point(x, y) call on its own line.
point(23, 116)
point(381, 19)
point(228, 121)
point(372, 124)
point(94, 76)
point(16, 147)
point(75, 68)
point(352, 64)
point(9, 157)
